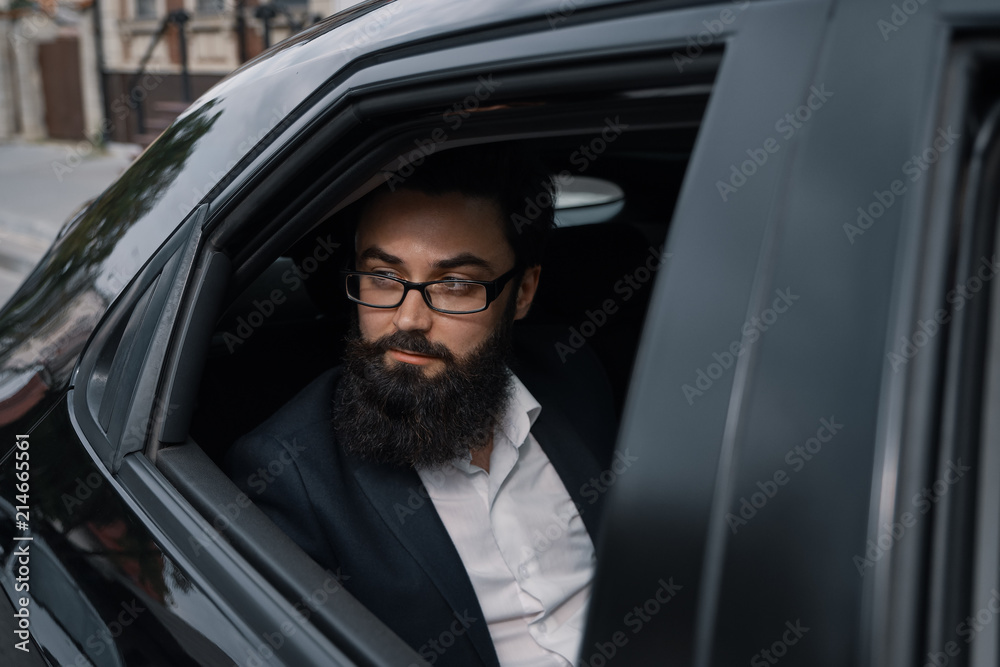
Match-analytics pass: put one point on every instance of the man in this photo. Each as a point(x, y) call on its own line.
point(423, 468)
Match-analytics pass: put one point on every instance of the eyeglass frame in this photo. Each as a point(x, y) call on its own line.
point(493, 289)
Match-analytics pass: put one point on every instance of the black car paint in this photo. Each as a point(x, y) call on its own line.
point(786, 230)
point(48, 322)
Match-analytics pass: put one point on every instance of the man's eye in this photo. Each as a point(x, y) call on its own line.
point(456, 286)
point(381, 280)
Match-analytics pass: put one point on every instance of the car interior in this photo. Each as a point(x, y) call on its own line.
point(273, 316)
point(278, 347)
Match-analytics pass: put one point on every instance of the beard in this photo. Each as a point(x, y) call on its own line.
point(395, 415)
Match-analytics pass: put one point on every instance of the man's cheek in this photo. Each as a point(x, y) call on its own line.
point(372, 324)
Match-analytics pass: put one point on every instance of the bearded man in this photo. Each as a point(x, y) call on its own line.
point(422, 468)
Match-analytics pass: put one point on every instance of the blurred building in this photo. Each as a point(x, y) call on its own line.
point(146, 43)
point(124, 69)
point(49, 77)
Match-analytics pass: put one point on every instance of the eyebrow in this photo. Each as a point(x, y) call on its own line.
point(459, 260)
point(462, 259)
point(375, 252)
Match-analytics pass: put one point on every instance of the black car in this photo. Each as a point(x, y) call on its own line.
point(777, 241)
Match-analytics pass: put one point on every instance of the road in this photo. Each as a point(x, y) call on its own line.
point(41, 185)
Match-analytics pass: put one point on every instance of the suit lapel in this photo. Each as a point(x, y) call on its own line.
point(573, 461)
point(400, 499)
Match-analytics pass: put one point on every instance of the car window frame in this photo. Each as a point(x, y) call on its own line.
point(967, 539)
point(176, 470)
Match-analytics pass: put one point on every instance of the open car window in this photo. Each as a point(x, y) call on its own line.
point(272, 314)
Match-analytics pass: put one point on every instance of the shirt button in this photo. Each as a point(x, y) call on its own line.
point(541, 627)
point(523, 571)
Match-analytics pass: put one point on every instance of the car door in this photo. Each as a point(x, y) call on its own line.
point(257, 597)
point(809, 446)
point(538, 96)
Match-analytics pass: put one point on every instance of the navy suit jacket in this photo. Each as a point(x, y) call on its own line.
point(376, 526)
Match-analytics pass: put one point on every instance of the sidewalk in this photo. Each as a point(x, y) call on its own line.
point(41, 185)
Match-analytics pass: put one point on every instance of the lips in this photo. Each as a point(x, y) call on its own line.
point(408, 357)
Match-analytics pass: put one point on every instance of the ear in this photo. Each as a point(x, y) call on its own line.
point(526, 290)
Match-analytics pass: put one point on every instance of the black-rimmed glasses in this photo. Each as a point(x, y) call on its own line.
point(455, 297)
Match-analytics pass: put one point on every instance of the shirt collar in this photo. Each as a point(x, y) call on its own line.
point(514, 424)
point(522, 411)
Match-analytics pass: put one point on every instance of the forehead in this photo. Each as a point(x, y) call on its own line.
point(414, 225)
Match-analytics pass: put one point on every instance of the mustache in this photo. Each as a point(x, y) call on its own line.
point(407, 341)
point(393, 415)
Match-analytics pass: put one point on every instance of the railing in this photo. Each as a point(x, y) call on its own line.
point(265, 12)
point(179, 18)
point(271, 10)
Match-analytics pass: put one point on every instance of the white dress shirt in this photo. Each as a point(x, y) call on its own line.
point(522, 541)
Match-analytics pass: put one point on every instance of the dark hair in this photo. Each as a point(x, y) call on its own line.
point(507, 173)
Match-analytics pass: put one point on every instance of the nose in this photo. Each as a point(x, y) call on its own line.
point(413, 314)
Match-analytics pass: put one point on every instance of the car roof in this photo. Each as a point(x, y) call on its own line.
point(102, 249)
